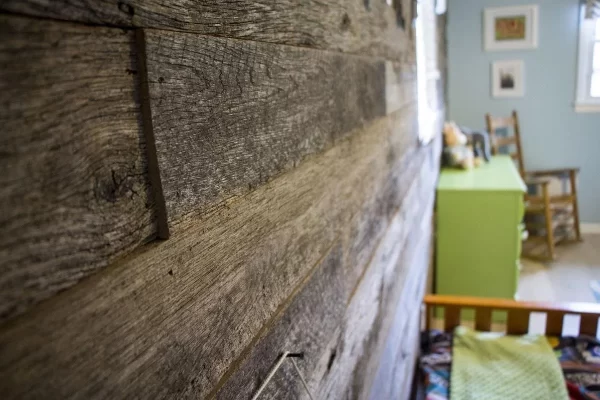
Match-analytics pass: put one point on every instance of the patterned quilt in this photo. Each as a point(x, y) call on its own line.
point(579, 358)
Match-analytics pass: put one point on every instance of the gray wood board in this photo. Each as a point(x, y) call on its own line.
point(370, 305)
point(74, 195)
point(353, 26)
point(229, 115)
point(172, 318)
point(400, 348)
point(392, 353)
point(304, 327)
point(393, 358)
point(319, 311)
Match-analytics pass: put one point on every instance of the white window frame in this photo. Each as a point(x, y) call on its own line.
point(584, 102)
point(427, 72)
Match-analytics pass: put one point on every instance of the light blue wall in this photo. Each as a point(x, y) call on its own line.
point(553, 135)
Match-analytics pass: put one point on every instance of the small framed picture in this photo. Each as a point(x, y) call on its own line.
point(508, 78)
point(510, 28)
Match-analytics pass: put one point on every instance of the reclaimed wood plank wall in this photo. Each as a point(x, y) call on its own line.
point(191, 188)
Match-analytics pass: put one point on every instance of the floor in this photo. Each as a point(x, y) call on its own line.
point(566, 279)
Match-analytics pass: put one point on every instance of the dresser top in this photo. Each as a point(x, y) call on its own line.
point(500, 174)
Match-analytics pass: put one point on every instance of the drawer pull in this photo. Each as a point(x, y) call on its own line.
point(277, 365)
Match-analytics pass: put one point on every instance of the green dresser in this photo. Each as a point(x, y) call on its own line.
point(479, 215)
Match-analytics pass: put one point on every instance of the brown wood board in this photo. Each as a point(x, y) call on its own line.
point(228, 115)
point(74, 194)
point(354, 26)
point(319, 311)
point(158, 316)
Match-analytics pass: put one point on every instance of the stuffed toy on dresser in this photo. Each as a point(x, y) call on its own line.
point(464, 148)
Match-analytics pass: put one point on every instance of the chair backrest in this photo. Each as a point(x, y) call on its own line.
point(512, 122)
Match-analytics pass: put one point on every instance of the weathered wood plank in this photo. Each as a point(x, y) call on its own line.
point(73, 192)
point(323, 363)
point(389, 360)
point(349, 26)
point(319, 311)
point(368, 322)
point(407, 344)
point(162, 314)
point(305, 326)
point(228, 114)
point(384, 350)
point(394, 361)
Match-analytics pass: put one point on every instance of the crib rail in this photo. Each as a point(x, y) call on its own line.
point(518, 313)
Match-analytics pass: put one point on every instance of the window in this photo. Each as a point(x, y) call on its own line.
point(588, 69)
point(428, 74)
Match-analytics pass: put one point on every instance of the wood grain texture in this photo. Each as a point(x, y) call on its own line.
point(367, 317)
point(73, 192)
point(338, 25)
point(400, 349)
point(391, 358)
point(229, 115)
point(306, 326)
point(344, 366)
point(208, 291)
point(319, 312)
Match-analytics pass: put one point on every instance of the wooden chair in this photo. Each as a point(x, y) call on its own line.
point(549, 218)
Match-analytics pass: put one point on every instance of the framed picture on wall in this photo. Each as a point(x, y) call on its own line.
point(508, 78)
point(510, 28)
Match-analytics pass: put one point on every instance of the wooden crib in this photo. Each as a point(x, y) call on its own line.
point(582, 319)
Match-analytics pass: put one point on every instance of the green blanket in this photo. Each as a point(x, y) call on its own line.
point(493, 366)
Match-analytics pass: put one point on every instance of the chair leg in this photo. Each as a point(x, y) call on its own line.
point(573, 179)
point(548, 216)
